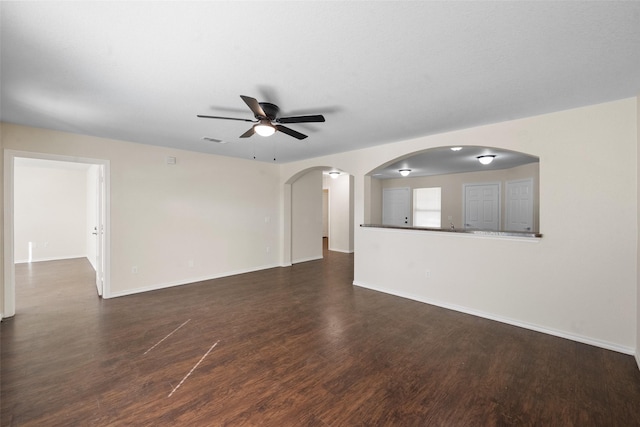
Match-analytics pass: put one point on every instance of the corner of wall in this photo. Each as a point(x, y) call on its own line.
point(638, 232)
point(1, 222)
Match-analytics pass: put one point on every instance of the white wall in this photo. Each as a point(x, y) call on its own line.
point(49, 210)
point(306, 217)
point(340, 213)
point(325, 211)
point(174, 224)
point(579, 280)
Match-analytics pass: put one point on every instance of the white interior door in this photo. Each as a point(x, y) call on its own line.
point(396, 206)
point(482, 206)
point(519, 205)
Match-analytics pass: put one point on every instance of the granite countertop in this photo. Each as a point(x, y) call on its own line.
point(461, 230)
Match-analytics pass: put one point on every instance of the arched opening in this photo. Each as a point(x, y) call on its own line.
point(305, 213)
point(455, 188)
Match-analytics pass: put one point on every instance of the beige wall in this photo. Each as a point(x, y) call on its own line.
point(638, 239)
point(578, 281)
point(373, 211)
point(452, 190)
point(306, 216)
point(2, 272)
point(179, 223)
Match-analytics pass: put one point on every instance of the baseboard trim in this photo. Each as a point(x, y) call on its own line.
point(638, 358)
point(190, 281)
point(509, 321)
point(25, 261)
point(298, 261)
point(340, 250)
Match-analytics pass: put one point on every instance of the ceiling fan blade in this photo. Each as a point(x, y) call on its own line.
point(254, 105)
point(248, 133)
point(291, 132)
point(302, 119)
point(225, 118)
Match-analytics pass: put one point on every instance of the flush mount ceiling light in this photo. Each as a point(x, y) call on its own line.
point(404, 172)
point(265, 128)
point(485, 160)
point(456, 148)
point(334, 174)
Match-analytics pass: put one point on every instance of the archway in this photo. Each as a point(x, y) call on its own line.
point(451, 170)
point(302, 219)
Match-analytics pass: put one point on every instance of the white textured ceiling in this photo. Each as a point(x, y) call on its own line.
point(378, 71)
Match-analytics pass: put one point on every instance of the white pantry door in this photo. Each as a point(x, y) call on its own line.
point(519, 205)
point(396, 206)
point(482, 206)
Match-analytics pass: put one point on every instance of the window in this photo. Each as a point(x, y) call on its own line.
point(427, 207)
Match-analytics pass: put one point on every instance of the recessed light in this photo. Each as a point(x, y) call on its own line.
point(456, 148)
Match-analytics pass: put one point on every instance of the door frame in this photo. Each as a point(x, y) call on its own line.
point(9, 300)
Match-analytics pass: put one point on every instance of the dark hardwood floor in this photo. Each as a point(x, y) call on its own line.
point(296, 346)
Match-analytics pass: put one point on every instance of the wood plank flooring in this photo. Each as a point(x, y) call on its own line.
point(296, 346)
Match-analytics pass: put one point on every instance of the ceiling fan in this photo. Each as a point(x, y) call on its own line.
point(267, 120)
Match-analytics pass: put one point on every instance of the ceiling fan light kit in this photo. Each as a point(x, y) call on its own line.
point(265, 128)
point(266, 115)
point(405, 172)
point(485, 160)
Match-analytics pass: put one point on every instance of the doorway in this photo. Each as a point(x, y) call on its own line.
point(57, 246)
point(303, 214)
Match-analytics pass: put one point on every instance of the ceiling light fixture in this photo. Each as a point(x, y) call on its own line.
point(456, 148)
point(404, 172)
point(265, 128)
point(334, 174)
point(485, 160)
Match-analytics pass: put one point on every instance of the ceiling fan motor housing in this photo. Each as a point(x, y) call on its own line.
point(271, 110)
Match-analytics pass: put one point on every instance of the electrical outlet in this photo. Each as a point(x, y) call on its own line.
point(427, 274)
point(134, 269)
point(268, 249)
